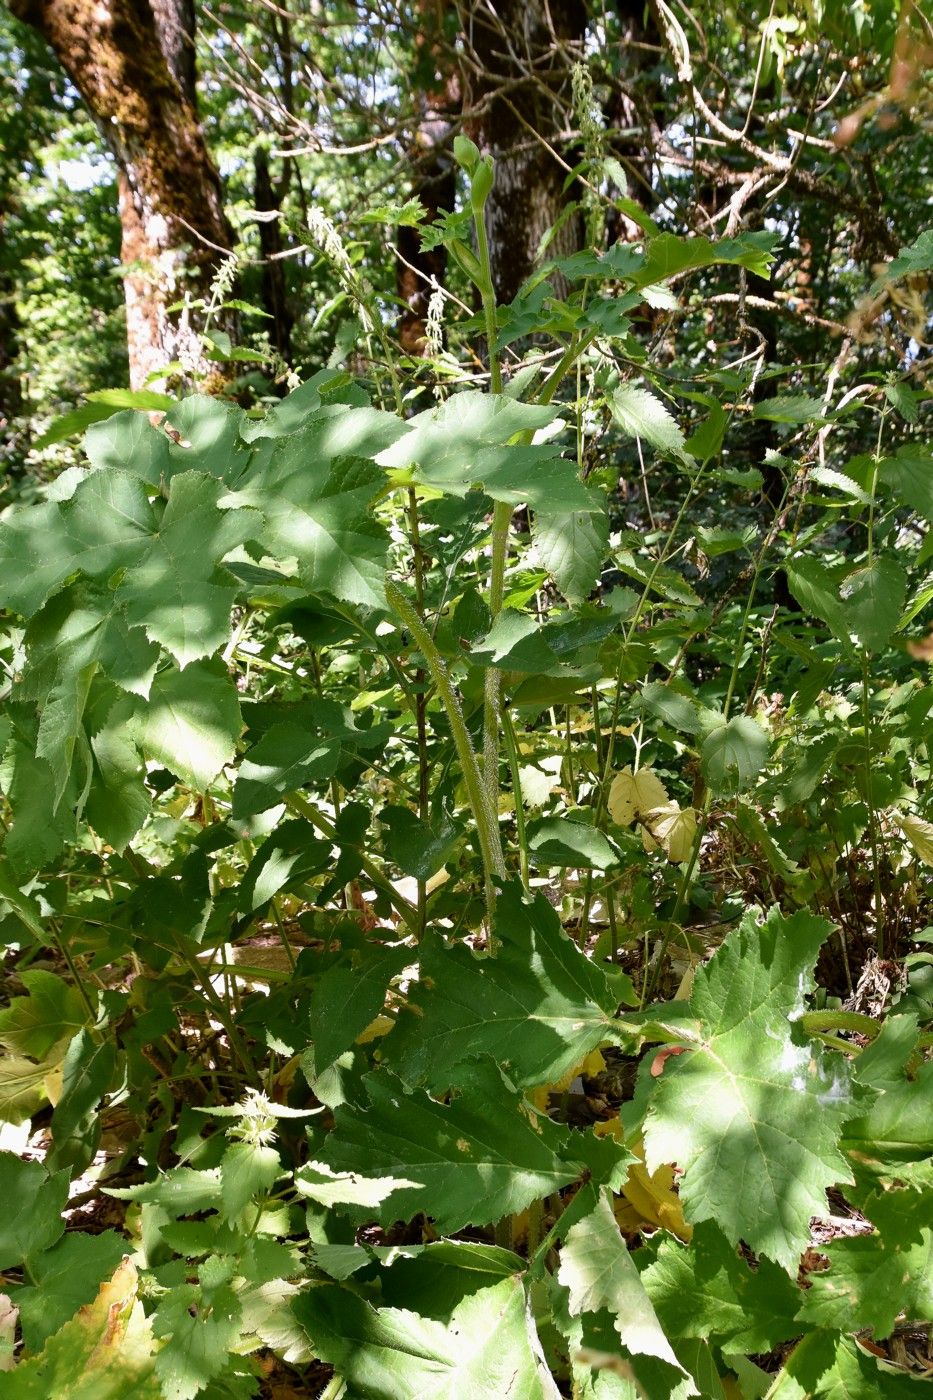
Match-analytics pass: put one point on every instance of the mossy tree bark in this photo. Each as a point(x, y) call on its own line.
point(133, 63)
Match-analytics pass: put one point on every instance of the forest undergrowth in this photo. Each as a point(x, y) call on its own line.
point(464, 880)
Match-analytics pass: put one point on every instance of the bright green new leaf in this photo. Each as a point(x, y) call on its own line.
point(191, 721)
point(248, 1170)
point(752, 1112)
point(486, 1349)
point(538, 1007)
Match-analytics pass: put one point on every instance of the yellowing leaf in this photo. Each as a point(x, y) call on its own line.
point(104, 1353)
point(673, 827)
point(920, 835)
point(592, 1064)
point(632, 795)
point(25, 1086)
point(648, 1198)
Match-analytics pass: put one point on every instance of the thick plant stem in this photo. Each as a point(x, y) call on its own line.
point(484, 814)
point(492, 691)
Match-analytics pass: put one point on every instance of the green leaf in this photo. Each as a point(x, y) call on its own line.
point(598, 1272)
point(752, 1113)
point(86, 1075)
point(118, 801)
point(33, 1201)
point(247, 1170)
point(350, 995)
point(790, 408)
point(563, 841)
point(826, 1366)
point(893, 1140)
point(641, 415)
point(65, 1278)
point(573, 548)
point(329, 1188)
point(816, 589)
point(53, 1011)
point(181, 1191)
point(104, 1353)
point(201, 1327)
point(873, 1278)
point(450, 434)
point(485, 1350)
point(291, 855)
point(909, 474)
point(707, 1290)
point(917, 257)
point(669, 254)
point(101, 404)
point(285, 758)
point(210, 428)
point(191, 721)
point(875, 594)
point(316, 508)
point(24, 1086)
point(178, 592)
point(417, 847)
point(538, 1007)
point(81, 627)
point(733, 755)
point(485, 1154)
point(681, 712)
point(128, 442)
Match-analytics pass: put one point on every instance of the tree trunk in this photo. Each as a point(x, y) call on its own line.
point(434, 179)
point(518, 57)
point(133, 63)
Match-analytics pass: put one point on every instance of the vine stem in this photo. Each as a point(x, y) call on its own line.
point(485, 814)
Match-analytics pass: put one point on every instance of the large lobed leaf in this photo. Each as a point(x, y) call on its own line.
point(751, 1112)
point(485, 1154)
point(538, 1007)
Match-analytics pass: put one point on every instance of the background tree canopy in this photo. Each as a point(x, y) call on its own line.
point(465, 722)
